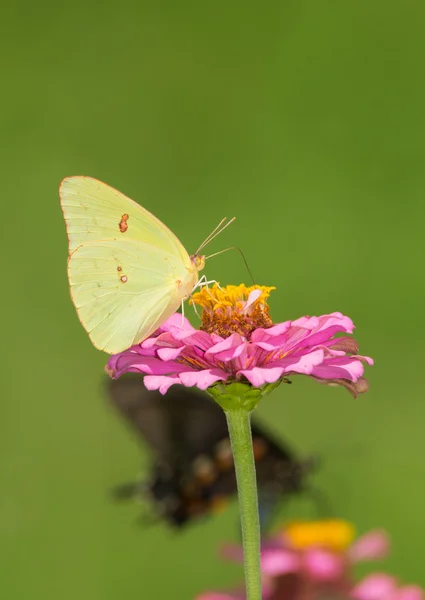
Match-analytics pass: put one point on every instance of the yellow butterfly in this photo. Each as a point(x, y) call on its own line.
point(128, 273)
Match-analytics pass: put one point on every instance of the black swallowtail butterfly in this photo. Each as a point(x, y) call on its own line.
point(192, 472)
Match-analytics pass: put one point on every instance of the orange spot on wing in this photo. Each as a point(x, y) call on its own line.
point(123, 223)
point(124, 278)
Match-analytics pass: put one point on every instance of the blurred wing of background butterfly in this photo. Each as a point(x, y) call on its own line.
point(192, 472)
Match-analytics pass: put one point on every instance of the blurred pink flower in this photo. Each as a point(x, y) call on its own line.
point(322, 550)
point(238, 341)
point(380, 586)
point(310, 561)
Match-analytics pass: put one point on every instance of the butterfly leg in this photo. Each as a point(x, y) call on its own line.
point(200, 282)
point(203, 282)
point(182, 325)
point(206, 284)
point(196, 311)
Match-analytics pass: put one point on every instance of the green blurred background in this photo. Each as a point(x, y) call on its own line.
point(304, 119)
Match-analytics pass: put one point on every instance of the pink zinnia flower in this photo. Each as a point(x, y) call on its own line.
point(380, 586)
point(323, 551)
point(238, 342)
point(314, 560)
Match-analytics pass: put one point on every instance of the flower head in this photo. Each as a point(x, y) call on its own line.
point(234, 309)
point(322, 550)
point(238, 342)
point(332, 534)
point(314, 560)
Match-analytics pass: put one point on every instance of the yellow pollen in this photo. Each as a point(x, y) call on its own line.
point(229, 295)
point(333, 534)
point(229, 310)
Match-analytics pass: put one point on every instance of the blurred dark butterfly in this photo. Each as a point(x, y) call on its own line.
point(192, 472)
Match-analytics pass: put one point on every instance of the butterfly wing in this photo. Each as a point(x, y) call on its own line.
point(95, 211)
point(186, 430)
point(178, 426)
point(128, 272)
point(124, 290)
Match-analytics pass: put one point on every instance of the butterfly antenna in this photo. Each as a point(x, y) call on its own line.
point(241, 253)
point(215, 233)
point(207, 239)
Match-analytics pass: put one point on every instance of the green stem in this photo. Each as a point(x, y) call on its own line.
point(239, 424)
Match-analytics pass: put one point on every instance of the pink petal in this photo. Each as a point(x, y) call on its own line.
point(135, 363)
point(258, 376)
point(230, 354)
point(410, 592)
point(377, 586)
point(371, 546)
point(193, 338)
point(161, 383)
point(202, 379)
point(304, 363)
point(366, 359)
point(270, 344)
point(260, 335)
point(216, 338)
point(320, 337)
point(323, 565)
point(162, 340)
point(306, 323)
point(331, 372)
point(282, 336)
point(133, 351)
point(316, 324)
point(176, 321)
point(329, 352)
point(348, 367)
point(278, 561)
point(306, 332)
point(166, 354)
point(227, 349)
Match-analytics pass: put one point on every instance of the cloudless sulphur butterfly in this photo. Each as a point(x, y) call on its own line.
point(128, 273)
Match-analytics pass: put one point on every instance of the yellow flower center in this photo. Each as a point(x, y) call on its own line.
point(233, 309)
point(333, 534)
